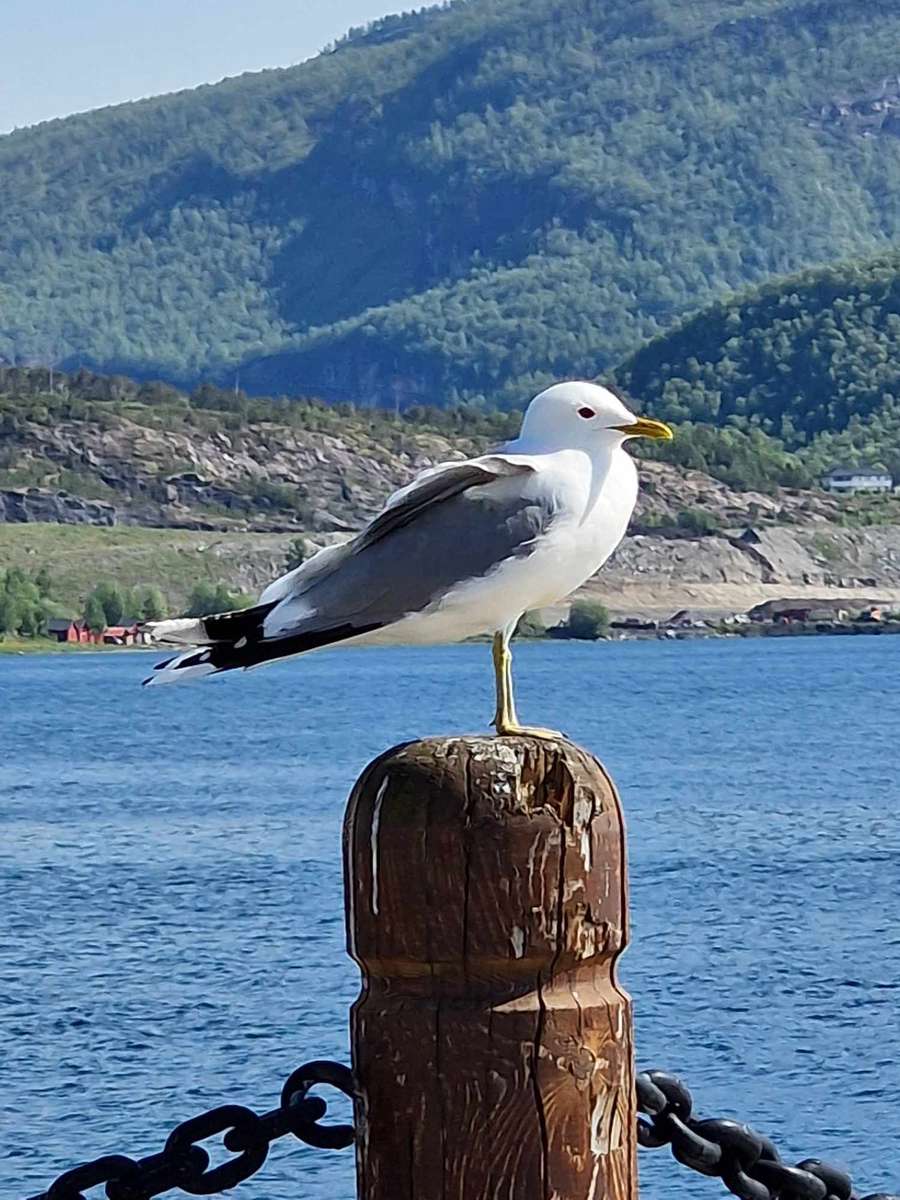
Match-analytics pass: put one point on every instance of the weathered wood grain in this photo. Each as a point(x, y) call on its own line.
point(487, 906)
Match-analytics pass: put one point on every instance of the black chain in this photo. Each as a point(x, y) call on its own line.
point(746, 1162)
point(184, 1164)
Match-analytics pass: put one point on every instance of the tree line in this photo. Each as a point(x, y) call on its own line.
point(780, 383)
point(45, 396)
point(30, 600)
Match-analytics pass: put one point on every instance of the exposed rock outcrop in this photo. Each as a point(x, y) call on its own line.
point(20, 505)
point(278, 478)
point(256, 488)
point(731, 573)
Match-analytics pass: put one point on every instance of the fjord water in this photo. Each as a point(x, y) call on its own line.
point(171, 889)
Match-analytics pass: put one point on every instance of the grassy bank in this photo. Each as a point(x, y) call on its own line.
point(174, 560)
point(44, 646)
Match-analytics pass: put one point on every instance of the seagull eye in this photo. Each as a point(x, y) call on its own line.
point(587, 413)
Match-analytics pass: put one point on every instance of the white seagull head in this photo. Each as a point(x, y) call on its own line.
point(584, 416)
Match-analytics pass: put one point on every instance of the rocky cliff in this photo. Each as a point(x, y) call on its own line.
point(252, 490)
point(279, 478)
point(731, 572)
point(26, 505)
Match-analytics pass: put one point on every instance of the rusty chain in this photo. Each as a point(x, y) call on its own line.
point(746, 1162)
point(184, 1164)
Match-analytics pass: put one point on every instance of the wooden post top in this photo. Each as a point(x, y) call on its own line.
point(486, 907)
point(487, 862)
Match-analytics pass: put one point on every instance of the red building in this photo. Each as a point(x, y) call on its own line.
point(75, 632)
point(126, 634)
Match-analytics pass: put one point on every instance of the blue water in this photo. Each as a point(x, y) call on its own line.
point(171, 891)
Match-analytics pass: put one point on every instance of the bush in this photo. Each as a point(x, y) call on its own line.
point(207, 599)
point(588, 620)
point(152, 605)
point(112, 600)
point(266, 493)
point(23, 610)
point(94, 614)
point(697, 520)
point(531, 626)
point(297, 553)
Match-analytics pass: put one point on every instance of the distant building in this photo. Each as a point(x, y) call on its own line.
point(687, 618)
point(635, 625)
point(128, 633)
point(874, 613)
point(788, 611)
point(850, 480)
point(75, 633)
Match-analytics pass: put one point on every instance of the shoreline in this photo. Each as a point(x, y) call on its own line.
point(27, 646)
point(50, 646)
point(750, 633)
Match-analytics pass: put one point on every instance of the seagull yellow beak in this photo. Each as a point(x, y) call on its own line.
point(645, 427)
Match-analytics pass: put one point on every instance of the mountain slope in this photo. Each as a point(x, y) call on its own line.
point(102, 478)
point(92, 450)
point(812, 360)
point(461, 203)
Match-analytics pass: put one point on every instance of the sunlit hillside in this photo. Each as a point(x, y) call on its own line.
point(462, 203)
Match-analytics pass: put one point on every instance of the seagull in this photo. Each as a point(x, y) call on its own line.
point(464, 550)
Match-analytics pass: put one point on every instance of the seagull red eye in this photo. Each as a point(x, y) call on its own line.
point(587, 413)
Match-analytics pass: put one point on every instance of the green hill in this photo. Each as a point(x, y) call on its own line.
point(812, 361)
point(459, 203)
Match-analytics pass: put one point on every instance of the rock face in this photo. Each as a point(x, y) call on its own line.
point(657, 576)
point(667, 492)
point(731, 573)
point(265, 477)
point(20, 505)
point(278, 478)
point(273, 482)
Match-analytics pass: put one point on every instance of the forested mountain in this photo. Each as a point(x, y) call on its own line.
point(812, 361)
point(459, 203)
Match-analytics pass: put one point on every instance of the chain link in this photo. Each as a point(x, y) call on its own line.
point(185, 1165)
point(746, 1162)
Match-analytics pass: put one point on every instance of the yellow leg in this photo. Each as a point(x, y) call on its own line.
point(500, 682)
point(506, 722)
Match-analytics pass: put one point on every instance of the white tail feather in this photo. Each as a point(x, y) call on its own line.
point(183, 669)
point(184, 631)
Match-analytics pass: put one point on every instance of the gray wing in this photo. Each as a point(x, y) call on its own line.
point(456, 526)
point(441, 486)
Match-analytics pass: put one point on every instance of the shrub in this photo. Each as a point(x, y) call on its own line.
point(297, 553)
point(588, 620)
point(531, 626)
point(208, 599)
point(112, 600)
point(699, 521)
point(94, 614)
point(152, 605)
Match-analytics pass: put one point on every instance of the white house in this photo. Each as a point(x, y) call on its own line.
point(849, 480)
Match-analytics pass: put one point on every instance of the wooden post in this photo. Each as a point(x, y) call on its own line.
point(487, 906)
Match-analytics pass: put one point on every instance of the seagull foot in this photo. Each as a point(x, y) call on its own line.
point(514, 729)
